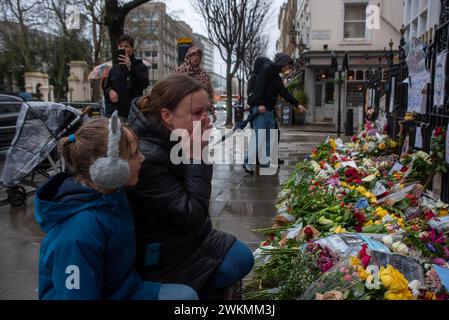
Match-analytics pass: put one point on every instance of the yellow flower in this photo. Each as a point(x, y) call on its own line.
point(443, 213)
point(339, 229)
point(399, 295)
point(337, 165)
point(392, 279)
point(333, 144)
point(373, 200)
point(355, 261)
point(343, 184)
point(369, 223)
point(381, 213)
point(363, 275)
point(393, 144)
point(382, 146)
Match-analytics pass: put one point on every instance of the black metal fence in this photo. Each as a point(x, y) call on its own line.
point(396, 89)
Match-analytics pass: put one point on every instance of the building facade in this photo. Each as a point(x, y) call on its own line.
point(156, 35)
point(323, 26)
point(421, 18)
point(207, 47)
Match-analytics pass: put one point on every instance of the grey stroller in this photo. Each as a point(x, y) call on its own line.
point(33, 150)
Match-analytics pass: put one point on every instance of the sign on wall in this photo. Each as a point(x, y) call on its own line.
point(440, 80)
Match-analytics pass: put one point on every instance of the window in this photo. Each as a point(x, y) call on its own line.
point(319, 95)
point(330, 88)
point(359, 75)
point(355, 21)
point(154, 66)
point(354, 94)
point(351, 75)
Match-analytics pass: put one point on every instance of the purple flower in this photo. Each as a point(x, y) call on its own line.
point(431, 247)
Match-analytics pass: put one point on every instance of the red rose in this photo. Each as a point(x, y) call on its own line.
point(358, 229)
point(354, 139)
point(404, 169)
point(308, 232)
point(438, 132)
point(342, 204)
point(360, 217)
point(429, 215)
point(364, 257)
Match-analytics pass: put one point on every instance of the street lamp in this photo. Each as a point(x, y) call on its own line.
point(336, 67)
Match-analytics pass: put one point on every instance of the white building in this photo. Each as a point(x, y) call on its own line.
point(421, 18)
point(341, 26)
point(207, 47)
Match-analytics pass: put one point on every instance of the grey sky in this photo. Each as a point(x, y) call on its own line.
point(181, 9)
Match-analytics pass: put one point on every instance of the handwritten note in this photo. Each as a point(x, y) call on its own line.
point(418, 138)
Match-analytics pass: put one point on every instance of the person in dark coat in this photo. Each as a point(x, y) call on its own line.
point(175, 239)
point(126, 80)
point(267, 89)
point(88, 252)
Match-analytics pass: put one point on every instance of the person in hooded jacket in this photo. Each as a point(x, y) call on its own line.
point(175, 239)
point(192, 67)
point(266, 88)
point(88, 252)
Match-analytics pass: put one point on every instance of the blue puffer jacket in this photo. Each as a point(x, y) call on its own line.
point(89, 250)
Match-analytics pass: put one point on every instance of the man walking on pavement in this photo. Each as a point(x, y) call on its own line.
point(126, 80)
point(268, 87)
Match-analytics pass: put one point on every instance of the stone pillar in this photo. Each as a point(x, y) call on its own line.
point(37, 83)
point(79, 86)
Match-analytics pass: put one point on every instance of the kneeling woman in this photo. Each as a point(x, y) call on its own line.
point(89, 249)
point(175, 239)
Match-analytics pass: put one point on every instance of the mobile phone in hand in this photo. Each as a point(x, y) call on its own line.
point(120, 52)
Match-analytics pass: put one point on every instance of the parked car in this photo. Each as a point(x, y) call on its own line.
point(9, 111)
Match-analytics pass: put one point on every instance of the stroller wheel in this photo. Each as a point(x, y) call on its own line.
point(16, 196)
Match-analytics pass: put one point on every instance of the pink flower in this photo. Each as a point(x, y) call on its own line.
point(348, 277)
point(439, 262)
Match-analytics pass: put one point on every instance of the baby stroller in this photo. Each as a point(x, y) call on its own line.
point(33, 150)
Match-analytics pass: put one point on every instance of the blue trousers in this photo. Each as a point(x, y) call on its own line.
point(237, 263)
point(264, 121)
point(177, 292)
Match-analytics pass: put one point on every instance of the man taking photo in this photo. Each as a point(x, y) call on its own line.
point(126, 80)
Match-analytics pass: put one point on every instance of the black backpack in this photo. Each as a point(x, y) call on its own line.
point(258, 64)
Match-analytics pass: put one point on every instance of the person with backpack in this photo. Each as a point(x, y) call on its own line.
point(264, 88)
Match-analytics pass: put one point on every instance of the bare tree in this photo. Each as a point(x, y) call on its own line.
point(257, 48)
point(115, 15)
point(18, 18)
point(232, 26)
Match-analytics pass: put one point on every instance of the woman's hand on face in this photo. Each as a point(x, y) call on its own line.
point(201, 131)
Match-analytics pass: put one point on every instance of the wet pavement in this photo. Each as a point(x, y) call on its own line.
point(240, 202)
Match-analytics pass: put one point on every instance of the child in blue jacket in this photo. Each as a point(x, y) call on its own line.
point(89, 249)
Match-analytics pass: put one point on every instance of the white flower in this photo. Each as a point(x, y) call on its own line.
point(400, 248)
point(369, 178)
point(415, 286)
point(373, 281)
point(388, 240)
point(315, 166)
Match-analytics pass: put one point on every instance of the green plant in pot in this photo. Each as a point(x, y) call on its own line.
point(301, 96)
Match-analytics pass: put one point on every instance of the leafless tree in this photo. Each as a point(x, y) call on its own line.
point(257, 48)
point(232, 26)
point(18, 18)
point(115, 15)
